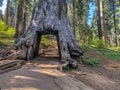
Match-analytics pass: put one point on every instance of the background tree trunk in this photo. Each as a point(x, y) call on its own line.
point(114, 19)
point(7, 12)
point(102, 20)
point(99, 20)
point(19, 19)
point(50, 17)
point(73, 18)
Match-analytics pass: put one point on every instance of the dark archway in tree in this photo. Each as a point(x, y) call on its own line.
point(49, 45)
point(50, 16)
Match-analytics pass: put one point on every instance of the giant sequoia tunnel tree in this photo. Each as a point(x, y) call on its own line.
point(50, 17)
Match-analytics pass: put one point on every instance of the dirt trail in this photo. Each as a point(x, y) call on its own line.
point(106, 77)
point(42, 76)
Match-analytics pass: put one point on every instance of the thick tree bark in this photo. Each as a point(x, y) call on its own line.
point(50, 17)
point(24, 19)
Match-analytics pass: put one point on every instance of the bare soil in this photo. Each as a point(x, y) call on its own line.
point(40, 75)
point(43, 74)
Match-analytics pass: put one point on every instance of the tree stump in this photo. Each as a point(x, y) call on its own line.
point(50, 17)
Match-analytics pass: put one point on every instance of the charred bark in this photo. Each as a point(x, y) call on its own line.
point(50, 17)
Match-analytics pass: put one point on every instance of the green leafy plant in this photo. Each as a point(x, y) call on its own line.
point(92, 61)
point(5, 31)
point(6, 35)
point(98, 43)
point(87, 47)
point(111, 54)
point(45, 42)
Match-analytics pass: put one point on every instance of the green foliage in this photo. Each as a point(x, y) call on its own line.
point(10, 32)
point(45, 42)
point(95, 44)
point(111, 54)
point(6, 35)
point(6, 42)
point(87, 47)
point(118, 48)
point(98, 43)
point(3, 26)
point(67, 68)
point(5, 31)
point(92, 62)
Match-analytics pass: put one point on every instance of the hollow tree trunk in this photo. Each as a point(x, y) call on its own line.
point(50, 17)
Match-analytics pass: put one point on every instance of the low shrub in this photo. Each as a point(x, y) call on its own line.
point(98, 43)
point(6, 35)
point(111, 54)
point(92, 61)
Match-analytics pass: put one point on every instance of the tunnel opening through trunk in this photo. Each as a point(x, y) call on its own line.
point(47, 44)
point(50, 17)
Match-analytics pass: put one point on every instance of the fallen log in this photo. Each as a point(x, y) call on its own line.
point(9, 65)
point(10, 68)
point(13, 56)
point(8, 51)
point(10, 57)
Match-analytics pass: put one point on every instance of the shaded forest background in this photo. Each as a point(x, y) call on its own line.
point(95, 23)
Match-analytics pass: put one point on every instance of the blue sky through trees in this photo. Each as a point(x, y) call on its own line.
point(3, 6)
point(92, 8)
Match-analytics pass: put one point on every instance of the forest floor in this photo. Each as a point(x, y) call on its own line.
point(44, 74)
